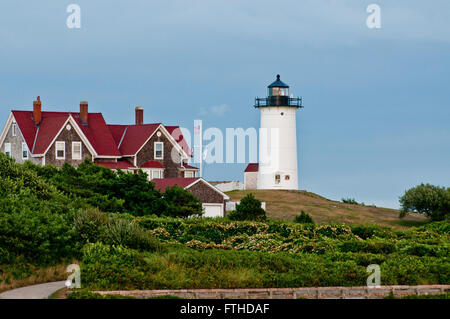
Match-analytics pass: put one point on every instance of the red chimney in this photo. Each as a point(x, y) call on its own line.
point(139, 115)
point(84, 112)
point(37, 111)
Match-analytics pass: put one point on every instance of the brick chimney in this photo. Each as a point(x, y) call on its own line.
point(139, 115)
point(37, 111)
point(84, 112)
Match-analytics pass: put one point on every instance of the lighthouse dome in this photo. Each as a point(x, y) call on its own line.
point(278, 83)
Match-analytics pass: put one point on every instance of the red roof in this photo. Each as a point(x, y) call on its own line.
point(107, 140)
point(163, 183)
point(39, 139)
point(187, 166)
point(152, 164)
point(252, 167)
point(175, 131)
point(116, 165)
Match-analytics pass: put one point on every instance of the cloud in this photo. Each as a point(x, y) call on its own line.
point(215, 110)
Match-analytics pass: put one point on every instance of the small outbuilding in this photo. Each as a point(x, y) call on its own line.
point(251, 176)
point(213, 200)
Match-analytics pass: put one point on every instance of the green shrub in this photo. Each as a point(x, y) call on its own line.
point(303, 218)
point(119, 231)
point(249, 208)
point(181, 203)
point(433, 201)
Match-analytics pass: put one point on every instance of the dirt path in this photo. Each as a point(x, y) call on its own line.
point(42, 291)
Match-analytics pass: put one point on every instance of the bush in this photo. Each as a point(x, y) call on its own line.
point(433, 201)
point(120, 231)
point(248, 209)
point(181, 203)
point(349, 201)
point(303, 218)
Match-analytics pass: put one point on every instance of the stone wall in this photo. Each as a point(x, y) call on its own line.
point(289, 293)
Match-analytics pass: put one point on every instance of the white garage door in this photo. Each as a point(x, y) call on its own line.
point(213, 210)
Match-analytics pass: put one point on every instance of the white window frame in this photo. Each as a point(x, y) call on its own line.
point(14, 129)
point(73, 151)
point(162, 150)
point(64, 150)
point(24, 149)
point(8, 149)
point(154, 172)
point(192, 173)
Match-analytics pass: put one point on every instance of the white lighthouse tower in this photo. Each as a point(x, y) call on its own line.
point(277, 167)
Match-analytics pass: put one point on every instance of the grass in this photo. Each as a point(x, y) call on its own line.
point(15, 276)
point(286, 204)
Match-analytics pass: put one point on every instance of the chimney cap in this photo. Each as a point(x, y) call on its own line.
point(39, 98)
point(139, 108)
point(84, 102)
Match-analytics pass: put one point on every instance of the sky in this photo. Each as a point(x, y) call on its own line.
point(377, 113)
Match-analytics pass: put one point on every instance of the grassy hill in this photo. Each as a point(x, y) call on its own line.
point(284, 204)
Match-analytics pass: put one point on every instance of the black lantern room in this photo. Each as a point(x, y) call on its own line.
point(278, 95)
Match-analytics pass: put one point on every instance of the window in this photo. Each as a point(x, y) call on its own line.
point(8, 149)
point(159, 146)
point(277, 178)
point(24, 151)
point(189, 174)
point(60, 150)
point(156, 174)
point(76, 150)
point(14, 129)
point(287, 177)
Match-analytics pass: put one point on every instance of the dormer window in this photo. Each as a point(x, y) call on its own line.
point(159, 150)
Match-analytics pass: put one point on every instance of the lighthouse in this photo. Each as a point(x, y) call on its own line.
point(277, 167)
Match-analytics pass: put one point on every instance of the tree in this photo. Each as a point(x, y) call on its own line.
point(303, 218)
point(433, 201)
point(248, 209)
point(181, 203)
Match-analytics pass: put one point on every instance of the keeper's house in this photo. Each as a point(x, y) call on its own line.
point(45, 137)
point(67, 137)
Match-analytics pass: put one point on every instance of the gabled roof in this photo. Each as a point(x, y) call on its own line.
point(175, 131)
point(186, 183)
point(152, 164)
point(39, 138)
point(163, 183)
point(115, 165)
point(252, 167)
point(131, 138)
point(187, 166)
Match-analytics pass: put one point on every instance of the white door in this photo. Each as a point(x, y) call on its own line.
point(212, 210)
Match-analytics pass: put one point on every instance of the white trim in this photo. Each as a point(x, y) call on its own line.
point(73, 150)
point(80, 134)
point(6, 127)
point(35, 139)
point(170, 137)
point(56, 150)
point(162, 150)
point(226, 197)
point(26, 149)
point(123, 136)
